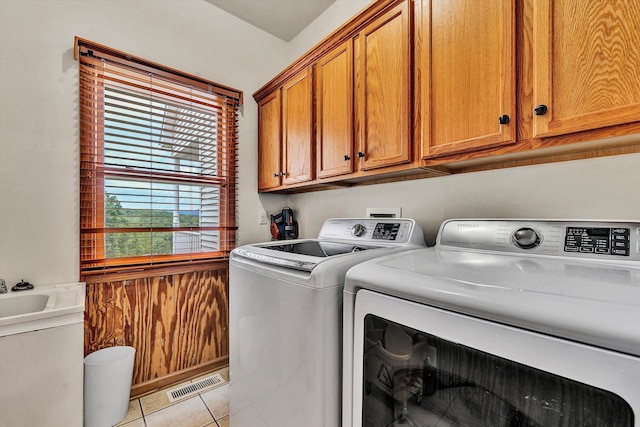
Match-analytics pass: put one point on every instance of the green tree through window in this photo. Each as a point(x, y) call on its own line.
point(126, 244)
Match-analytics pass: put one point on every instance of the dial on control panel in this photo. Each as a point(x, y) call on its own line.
point(358, 230)
point(526, 238)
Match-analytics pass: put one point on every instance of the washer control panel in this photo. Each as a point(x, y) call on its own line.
point(589, 239)
point(373, 230)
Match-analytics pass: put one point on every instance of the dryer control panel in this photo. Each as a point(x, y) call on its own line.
point(611, 240)
point(598, 240)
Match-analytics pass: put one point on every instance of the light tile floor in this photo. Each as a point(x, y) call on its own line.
point(209, 408)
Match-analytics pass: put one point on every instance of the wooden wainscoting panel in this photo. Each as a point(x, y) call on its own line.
point(151, 326)
point(203, 318)
point(103, 316)
point(177, 322)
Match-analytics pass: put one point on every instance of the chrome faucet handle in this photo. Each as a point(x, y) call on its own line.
point(3, 287)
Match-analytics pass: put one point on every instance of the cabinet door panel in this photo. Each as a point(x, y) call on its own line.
point(384, 90)
point(586, 64)
point(466, 67)
point(334, 112)
point(269, 141)
point(297, 128)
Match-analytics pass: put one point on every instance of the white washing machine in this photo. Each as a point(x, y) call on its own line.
point(502, 323)
point(285, 320)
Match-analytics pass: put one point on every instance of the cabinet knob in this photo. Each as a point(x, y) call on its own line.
point(283, 173)
point(360, 154)
point(346, 158)
point(275, 175)
point(503, 120)
point(540, 110)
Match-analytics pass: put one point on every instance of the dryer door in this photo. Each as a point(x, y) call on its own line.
point(416, 365)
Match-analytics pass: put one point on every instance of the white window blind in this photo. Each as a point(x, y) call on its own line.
point(158, 163)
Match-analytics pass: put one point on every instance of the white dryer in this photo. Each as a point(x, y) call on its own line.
point(503, 323)
point(285, 320)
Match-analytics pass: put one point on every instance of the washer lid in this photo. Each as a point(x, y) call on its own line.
point(304, 255)
point(339, 238)
point(595, 303)
point(316, 248)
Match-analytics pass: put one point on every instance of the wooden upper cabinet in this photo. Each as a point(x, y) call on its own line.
point(297, 128)
point(586, 64)
point(383, 79)
point(465, 75)
point(269, 141)
point(423, 86)
point(334, 112)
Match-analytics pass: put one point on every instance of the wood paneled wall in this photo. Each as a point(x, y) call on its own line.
point(178, 323)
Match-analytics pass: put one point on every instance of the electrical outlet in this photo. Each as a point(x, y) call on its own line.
point(262, 217)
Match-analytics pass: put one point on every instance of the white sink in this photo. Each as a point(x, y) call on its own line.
point(23, 304)
point(41, 353)
point(41, 308)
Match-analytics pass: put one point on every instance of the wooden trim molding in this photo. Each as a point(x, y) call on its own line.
point(156, 384)
point(155, 271)
point(82, 46)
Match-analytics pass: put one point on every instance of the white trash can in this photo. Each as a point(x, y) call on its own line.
point(107, 385)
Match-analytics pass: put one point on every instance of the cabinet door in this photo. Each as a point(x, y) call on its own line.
point(586, 64)
point(383, 79)
point(297, 128)
point(269, 141)
point(334, 112)
point(465, 73)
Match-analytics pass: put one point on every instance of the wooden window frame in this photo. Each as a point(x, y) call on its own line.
point(93, 171)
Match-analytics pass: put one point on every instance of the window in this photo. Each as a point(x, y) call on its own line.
point(157, 164)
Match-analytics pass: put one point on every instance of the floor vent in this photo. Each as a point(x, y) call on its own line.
point(193, 388)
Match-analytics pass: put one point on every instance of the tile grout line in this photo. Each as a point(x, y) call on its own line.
point(214, 423)
point(211, 413)
point(144, 421)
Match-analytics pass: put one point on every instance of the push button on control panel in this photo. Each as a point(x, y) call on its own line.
point(621, 252)
point(620, 241)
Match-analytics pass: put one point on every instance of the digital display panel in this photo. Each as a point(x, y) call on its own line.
point(597, 240)
point(386, 230)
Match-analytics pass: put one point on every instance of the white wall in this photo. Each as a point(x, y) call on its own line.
point(332, 18)
point(605, 188)
point(39, 230)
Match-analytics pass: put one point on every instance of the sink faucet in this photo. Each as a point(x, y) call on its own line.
point(3, 287)
point(22, 286)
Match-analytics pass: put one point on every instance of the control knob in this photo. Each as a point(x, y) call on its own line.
point(526, 238)
point(358, 230)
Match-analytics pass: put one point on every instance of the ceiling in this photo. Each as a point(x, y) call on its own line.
point(282, 18)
